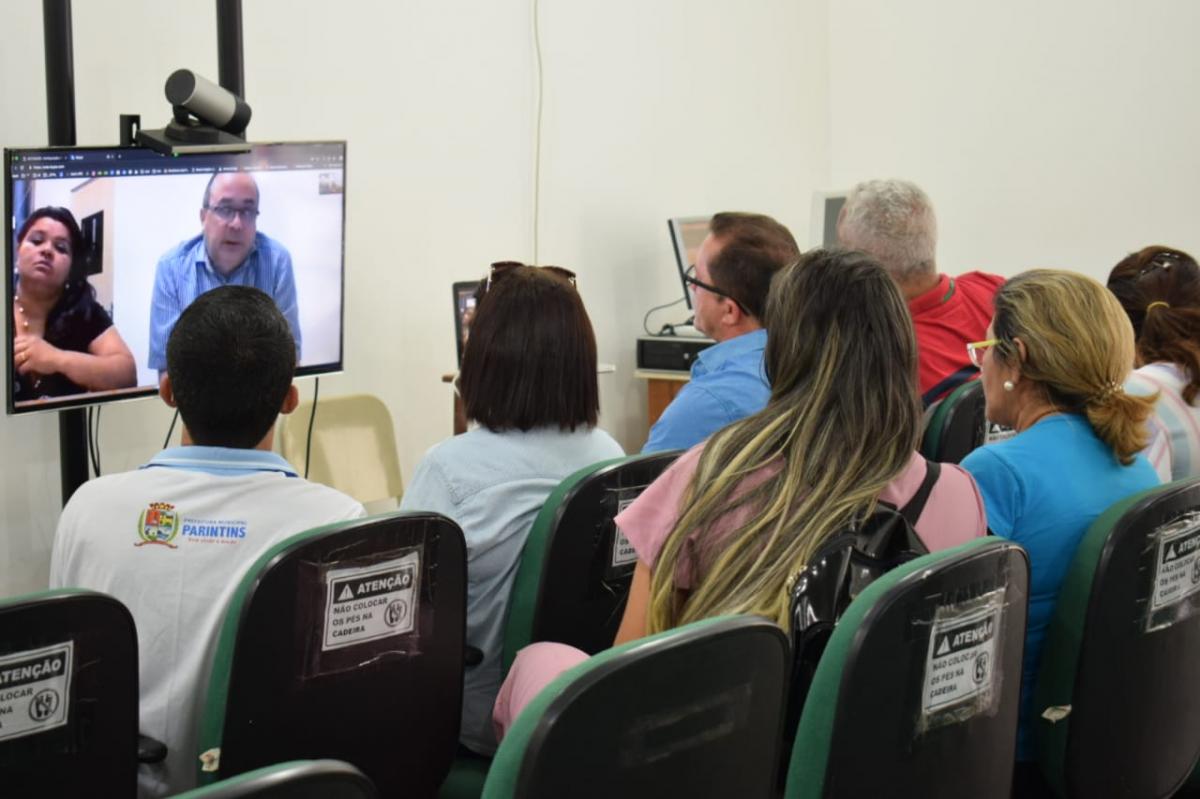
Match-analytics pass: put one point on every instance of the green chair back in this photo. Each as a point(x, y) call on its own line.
point(346, 642)
point(298, 779)
point(575, 568)
point(693, 712)
point(957, 425)
point(917, 692)
point(68, 695)
point(1117, 711)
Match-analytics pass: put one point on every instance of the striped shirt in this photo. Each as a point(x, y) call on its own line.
point(184, 273)
point(1174, 448)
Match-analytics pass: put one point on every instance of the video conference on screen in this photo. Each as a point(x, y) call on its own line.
point(147, 236)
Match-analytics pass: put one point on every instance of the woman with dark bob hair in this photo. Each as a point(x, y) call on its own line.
point(63, 340)
point(529, 383)
point(1159, 288)
point(730, 525)
point(1053, 367)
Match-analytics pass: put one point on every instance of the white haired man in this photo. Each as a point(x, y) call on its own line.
point(893, 221)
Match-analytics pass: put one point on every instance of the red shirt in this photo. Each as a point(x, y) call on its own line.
point(955, 311)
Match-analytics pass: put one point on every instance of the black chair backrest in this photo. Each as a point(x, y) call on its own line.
point(1117, 711)
point(576, 568)
point(921, 682)
point(959, 425)
point(327, 656)
point(692, 712)
point(68, 696)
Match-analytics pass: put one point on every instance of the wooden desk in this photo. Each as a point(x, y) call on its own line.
point(460, 413)
point(661, 387)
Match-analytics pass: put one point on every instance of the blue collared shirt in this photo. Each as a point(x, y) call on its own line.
point(493, 484)
point(184, 273)
point(223, 461)
point(728, 383)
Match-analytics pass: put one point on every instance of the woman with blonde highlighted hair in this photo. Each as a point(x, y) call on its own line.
point(1159, 288)
point(730, 524)
point(1053, 367)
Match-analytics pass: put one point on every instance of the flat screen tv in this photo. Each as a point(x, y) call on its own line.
point(154, 232)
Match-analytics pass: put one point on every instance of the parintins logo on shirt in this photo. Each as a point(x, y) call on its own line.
point(158, 524)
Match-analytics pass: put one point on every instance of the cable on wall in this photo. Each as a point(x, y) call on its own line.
point(311, 418)
point(537, 129)
point(93, 437)
point(646, 318)
point(171, 429)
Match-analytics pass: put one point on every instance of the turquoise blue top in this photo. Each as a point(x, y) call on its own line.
point(728, 383)
point(1043, 488)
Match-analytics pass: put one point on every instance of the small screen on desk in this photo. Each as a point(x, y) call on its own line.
point(687, 234)
point(466, 295)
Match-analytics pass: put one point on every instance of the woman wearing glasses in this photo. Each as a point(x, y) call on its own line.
point(1159, 288)
point(728, 526)
point(63, 341)
point(1057, 355)
point(528, 381)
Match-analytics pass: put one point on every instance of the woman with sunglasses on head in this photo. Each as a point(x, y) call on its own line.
point(734, 520)
point(63, 340)
point(1057, 355)
point(1159, 288)
point(528, 381)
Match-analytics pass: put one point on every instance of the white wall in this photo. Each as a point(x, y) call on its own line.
point(1047, 134)
point(651, 110)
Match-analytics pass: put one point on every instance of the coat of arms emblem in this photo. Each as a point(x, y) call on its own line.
point(158, 524)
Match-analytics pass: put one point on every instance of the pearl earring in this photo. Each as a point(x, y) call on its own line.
point(1009, 385)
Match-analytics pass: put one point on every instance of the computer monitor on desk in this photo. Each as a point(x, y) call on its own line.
point(687, 234)
point(826, 207)
point(466, 295)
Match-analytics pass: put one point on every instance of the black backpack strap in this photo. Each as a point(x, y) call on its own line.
point(951, 381)
point(912, 511)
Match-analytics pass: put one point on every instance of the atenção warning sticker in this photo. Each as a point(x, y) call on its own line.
point(962, 659)
point(35, 690)
point(371, 602)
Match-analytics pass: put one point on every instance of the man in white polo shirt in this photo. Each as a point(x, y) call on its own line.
point(172, 539)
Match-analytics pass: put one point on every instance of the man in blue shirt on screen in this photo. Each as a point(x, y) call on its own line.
point(228, 252)
point(729, 284)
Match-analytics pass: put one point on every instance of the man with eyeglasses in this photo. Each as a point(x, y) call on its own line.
point(229, 251)
point(729, 284)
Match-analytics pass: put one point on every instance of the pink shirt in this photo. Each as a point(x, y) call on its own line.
point(953, 514)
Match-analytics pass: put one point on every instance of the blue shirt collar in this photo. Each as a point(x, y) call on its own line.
point(731, 349)
point(221, 460)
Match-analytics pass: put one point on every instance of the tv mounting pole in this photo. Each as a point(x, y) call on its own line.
point(231, 72)
point(60, 121)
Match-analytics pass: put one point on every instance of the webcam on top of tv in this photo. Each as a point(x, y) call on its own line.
point(207, 118)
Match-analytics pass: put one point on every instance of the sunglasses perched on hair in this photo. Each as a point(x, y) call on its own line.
point(690, 278)
point(502, 268)
point(1163, 260)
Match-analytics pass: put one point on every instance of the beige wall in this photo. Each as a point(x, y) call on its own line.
point(652, 110)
